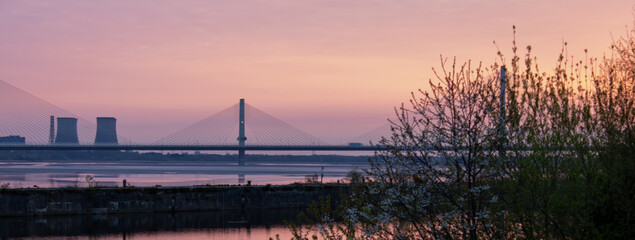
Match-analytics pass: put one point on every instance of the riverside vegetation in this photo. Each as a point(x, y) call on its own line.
point(555, 161)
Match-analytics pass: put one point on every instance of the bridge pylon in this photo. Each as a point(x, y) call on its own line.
point(241, 133)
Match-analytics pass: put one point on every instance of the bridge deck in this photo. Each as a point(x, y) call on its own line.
point(189, 147)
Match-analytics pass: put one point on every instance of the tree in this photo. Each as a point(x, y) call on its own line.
point(434, 178)
point(550, 172)
point(433, 181)
point(614, 105)
point(567, 171)
point(354, 176)
point(557, 164)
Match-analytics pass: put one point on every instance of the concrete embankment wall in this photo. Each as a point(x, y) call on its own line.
point(70, 201)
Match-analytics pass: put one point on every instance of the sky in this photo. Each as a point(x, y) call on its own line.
point(335, 69)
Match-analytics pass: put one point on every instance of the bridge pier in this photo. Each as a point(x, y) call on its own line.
point(241, 157)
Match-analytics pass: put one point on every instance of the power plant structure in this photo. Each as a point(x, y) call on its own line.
point(66, 131)
point(13, 139)
point(106, 130)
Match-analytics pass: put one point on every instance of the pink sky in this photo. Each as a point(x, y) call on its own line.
point(334, 69)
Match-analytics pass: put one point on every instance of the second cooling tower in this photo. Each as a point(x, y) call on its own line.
point(106, 130)
point(66, 131)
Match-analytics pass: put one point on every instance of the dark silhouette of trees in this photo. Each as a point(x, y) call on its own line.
point(557, 164)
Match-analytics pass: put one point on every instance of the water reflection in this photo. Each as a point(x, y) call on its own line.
point(241, 178)
point(255, 224)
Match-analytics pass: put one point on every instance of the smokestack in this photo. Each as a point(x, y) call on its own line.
point(66, 131)
point(106, 130)
point(52, 131)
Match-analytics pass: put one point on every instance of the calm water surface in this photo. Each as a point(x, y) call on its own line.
point(200, 225)
point(208, 225)
point(22, 174)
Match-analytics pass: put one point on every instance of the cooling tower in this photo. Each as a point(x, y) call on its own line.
point(106, 130)
point(66, 131)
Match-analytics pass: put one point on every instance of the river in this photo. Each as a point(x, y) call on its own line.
point(261, 224)
point(144, 173)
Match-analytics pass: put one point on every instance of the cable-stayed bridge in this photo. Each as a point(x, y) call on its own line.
point(241, 127)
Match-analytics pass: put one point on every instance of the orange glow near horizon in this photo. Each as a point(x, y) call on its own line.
point(334, 69)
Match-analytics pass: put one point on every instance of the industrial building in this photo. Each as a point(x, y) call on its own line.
point(13, 139)
point(106, 130)
point(66, 131)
